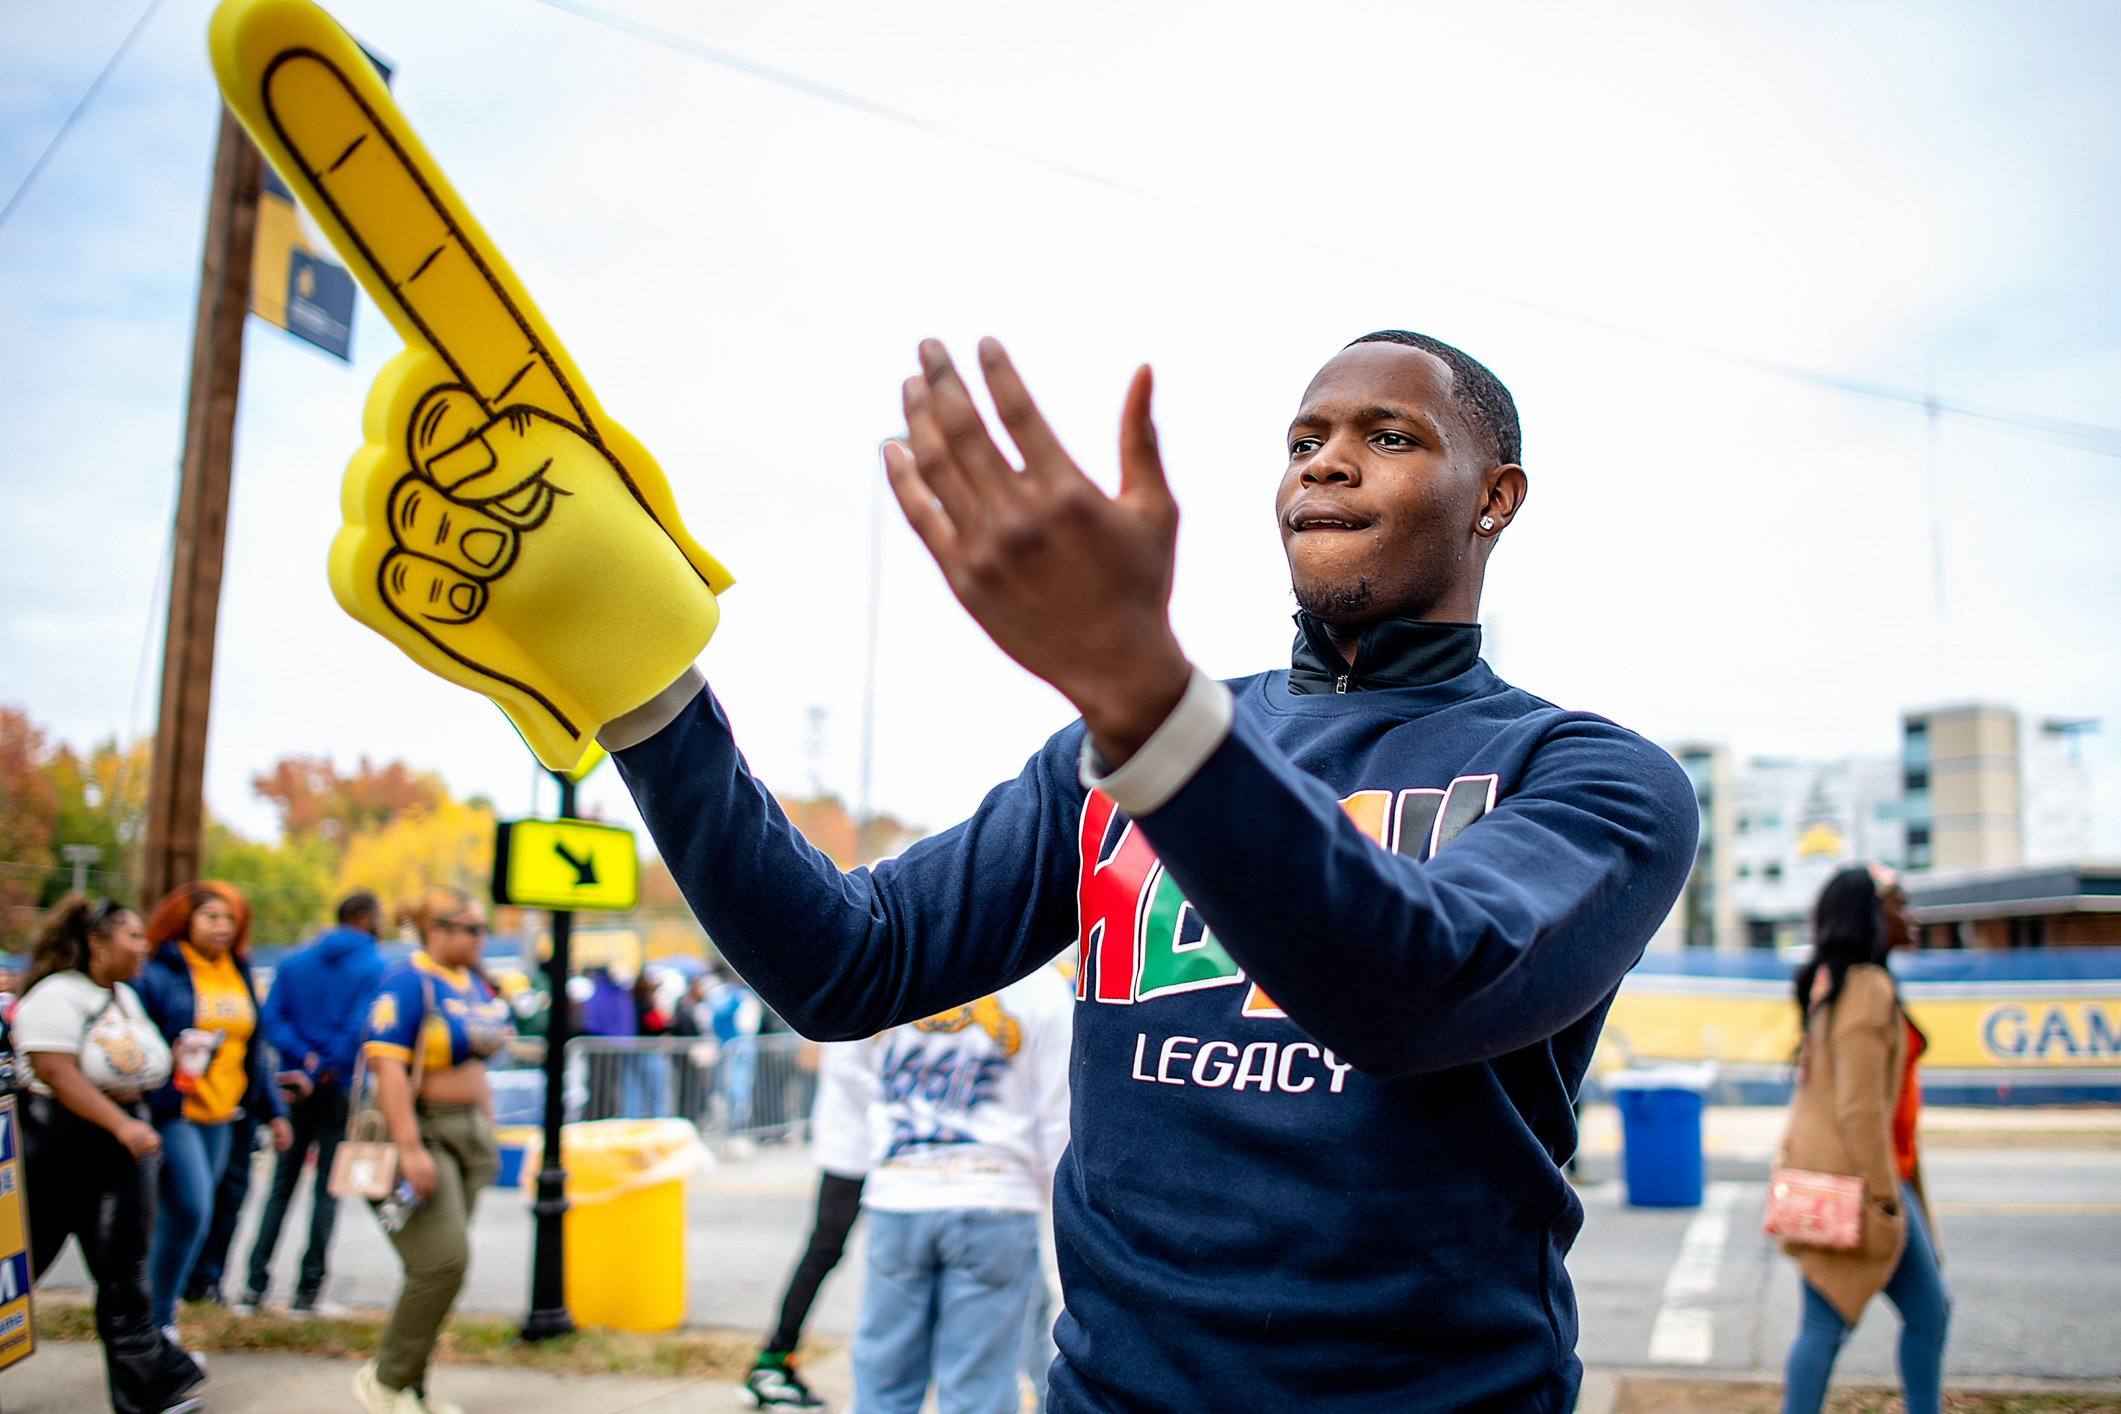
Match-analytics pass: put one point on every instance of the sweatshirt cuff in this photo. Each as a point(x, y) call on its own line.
point(1171, 756)
point(633, 728)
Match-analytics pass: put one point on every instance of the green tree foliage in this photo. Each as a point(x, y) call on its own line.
point(28, 809)
point(387, 827)
point(289, 884)
point(316, 802)
point(102, 801)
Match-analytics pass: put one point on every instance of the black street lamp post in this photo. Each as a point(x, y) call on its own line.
point(549, 1316)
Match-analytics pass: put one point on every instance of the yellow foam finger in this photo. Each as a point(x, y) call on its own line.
point(590, 593)
point(428, 589)
point(426, 522)
point(437, 280)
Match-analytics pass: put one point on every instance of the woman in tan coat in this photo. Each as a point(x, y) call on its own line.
point(1854, 1113)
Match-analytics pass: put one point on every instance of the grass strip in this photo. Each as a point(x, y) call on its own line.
point(468, 1339)
point(1639, 1396)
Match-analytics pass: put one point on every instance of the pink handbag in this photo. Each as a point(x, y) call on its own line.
point(1814, 1209)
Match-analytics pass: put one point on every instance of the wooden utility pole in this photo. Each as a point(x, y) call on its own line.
point(176, 802)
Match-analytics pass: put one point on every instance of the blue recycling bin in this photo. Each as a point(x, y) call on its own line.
point(1660, 1128)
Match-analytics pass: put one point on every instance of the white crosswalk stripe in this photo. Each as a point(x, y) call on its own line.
point(1685, 1333)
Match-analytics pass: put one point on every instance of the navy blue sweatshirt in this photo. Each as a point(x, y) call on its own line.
point(1337, 995)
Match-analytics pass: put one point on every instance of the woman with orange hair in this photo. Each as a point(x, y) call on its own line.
point(197, 989)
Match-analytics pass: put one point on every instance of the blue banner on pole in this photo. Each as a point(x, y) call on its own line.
point(320, 301)
point(292, 283)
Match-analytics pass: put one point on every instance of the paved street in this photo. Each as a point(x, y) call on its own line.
point(2031, 1237)
point(2031, 1240)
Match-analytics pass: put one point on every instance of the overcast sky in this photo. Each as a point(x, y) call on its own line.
point(1908, 194)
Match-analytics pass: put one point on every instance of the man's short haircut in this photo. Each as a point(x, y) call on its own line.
point(1480, 396)
point(358, 904)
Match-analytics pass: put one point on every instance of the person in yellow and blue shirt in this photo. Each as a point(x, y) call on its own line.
point(198, 991)
point(435, 1015)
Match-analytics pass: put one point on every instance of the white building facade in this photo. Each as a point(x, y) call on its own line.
point(1775, 829)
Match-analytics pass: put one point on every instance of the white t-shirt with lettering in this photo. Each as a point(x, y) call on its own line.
point(106, 1030)
point(969, 1108)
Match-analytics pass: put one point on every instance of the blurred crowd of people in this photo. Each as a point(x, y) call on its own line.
point(152, 1068)
point(149, 1065)
point(148, 1068)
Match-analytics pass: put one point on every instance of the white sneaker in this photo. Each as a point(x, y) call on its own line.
point(379, 1398)
point(169, 1333)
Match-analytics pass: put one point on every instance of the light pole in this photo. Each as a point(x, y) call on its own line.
point(549, 1315)
point(80, 856)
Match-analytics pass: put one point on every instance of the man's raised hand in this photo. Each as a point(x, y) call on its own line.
point(1071, 583)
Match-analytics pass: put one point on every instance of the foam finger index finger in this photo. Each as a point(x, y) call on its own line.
point(315, 105)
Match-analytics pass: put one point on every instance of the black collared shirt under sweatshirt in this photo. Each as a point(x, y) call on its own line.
point(1336, 997)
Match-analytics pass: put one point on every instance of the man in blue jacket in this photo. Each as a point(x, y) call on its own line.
point(1349, 929)
point(313, 1018)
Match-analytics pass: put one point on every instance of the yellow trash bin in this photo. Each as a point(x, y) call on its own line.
point(625, 1220)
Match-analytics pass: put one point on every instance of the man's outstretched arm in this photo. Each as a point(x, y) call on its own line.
point(1520, 926)
point(842, 956)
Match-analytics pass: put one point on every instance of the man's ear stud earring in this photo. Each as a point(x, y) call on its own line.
point(1487, 522)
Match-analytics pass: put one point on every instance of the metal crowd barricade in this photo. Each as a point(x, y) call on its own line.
point(754, 1087)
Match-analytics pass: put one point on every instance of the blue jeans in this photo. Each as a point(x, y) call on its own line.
point(948, 1294)
point(204, 1283)
point(1917, 1289)
point(644, 1085)
point(739, 1072)
point(193, 1156)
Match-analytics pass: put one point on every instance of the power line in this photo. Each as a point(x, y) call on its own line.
point(2105, 441)
point(79, 108)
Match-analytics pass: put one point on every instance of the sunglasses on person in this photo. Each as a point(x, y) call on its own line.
point(459, 925)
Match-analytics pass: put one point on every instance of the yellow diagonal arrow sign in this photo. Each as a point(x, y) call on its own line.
point(565, 864)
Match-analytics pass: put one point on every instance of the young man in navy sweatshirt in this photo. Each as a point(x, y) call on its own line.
point(1348, 929)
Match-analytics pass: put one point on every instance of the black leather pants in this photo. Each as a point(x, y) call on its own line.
point(83, 1183)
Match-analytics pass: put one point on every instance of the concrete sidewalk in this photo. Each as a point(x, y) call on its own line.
point(66, 1377)
point(2029, 1202)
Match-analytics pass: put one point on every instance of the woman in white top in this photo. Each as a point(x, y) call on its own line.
point(86, 1042)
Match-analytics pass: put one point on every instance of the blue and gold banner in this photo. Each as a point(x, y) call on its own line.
point(2031, 1026)
point(292, 284)
point(18, 1331)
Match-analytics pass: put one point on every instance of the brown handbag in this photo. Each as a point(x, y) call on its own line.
point(365, 1165)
